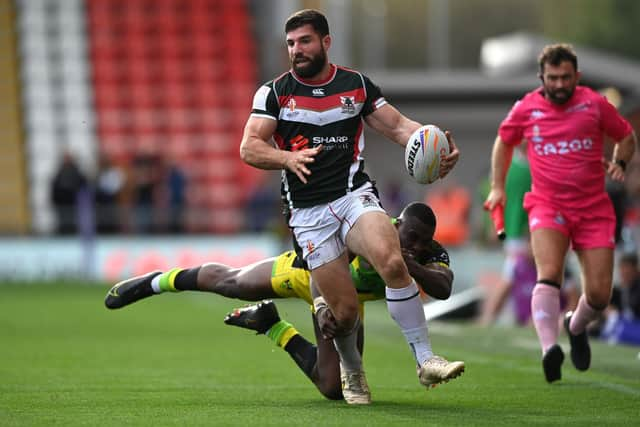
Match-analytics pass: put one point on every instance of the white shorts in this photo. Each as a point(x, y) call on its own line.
point(321, 230)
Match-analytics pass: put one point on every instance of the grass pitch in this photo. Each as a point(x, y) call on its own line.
point(170, 360)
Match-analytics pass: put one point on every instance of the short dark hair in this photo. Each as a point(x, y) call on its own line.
point(421, 212)
point(308, 16)
point(555, 54)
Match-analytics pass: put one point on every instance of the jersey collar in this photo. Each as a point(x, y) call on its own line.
point(332, 73)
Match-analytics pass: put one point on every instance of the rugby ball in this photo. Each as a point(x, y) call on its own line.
point(423, 151)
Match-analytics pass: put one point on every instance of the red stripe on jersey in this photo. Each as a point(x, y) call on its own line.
point(322, 104)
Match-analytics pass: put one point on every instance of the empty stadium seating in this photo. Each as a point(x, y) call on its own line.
point(176, 78)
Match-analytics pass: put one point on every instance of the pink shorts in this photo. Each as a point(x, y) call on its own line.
point(587, 229)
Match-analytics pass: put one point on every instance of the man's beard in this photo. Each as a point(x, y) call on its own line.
point(553, 95)
point(311, 68)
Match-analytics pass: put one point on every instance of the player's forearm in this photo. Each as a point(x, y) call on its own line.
point(500, 161)
point(259, 154)
point(435, 280)
point(624, 149)
point(392, 124)
point(402, 132)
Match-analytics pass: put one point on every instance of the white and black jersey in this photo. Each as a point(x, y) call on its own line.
point(328, 113)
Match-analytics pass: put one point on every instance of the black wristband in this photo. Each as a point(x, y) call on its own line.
point(622, 164)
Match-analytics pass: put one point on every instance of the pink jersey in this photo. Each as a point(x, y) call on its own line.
point(565, 144)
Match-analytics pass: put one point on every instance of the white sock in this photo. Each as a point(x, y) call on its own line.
point(155, 284)
point(347, 347)
point(405, 307)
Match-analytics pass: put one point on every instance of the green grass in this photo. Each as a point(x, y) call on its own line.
point(170, 360)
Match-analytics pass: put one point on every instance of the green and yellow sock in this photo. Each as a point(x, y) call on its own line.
point(281, 333)
point(166, 281)
point(176, 280)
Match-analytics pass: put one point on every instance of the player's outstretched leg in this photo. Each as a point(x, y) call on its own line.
point(580, 349)
point(264, 319)
point(259, 317)
point(130, 290)
point(439, 370)
point(552, 362)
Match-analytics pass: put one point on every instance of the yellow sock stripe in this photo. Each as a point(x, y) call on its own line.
point(167, 280)
point(286, 336)
point(172, 277)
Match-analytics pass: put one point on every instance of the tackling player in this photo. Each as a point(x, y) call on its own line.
point(564, 126)
point(285, 277)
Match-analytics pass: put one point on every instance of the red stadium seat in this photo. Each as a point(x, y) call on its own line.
point(185, 73)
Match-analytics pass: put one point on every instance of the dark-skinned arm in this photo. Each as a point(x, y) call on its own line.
point(326, 322)
point(434, 278)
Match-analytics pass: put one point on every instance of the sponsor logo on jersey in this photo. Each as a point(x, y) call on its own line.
point(562, 147)
point(329, 139)
point(348, 104)
point(536, 134)
point(536, 114)
point(317, 91)
point(579, 107)
point(298, 142)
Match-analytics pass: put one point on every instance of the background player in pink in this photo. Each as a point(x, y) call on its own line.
point(564, 125)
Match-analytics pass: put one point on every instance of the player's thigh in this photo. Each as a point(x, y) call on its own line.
point(549, 247)
point(374, 237)
point(334, 282)
point(597, 275)
point(253, 282)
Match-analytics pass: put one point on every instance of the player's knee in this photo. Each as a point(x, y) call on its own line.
point(218, 278)
point(598, 299)
point(391, 267)
point(332, 390)
point(346, 315)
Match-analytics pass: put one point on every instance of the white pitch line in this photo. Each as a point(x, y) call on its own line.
point(434, 309)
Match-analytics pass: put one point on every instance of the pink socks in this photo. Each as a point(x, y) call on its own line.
point(545, 309)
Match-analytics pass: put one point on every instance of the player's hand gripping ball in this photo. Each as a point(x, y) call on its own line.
point(423, 151)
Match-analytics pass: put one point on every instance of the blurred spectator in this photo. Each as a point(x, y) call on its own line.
point(177, 195)
point(516, 287)
point(618, 195)
point(631, 227)
point(622, 317)
point(145, 184)
point(263, 208)
point(451, 205)
point(394, 197)
point(483, 229)
point(109, 184)
point(66, 184)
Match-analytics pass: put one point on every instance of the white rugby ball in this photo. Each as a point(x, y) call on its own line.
point(423, 151)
